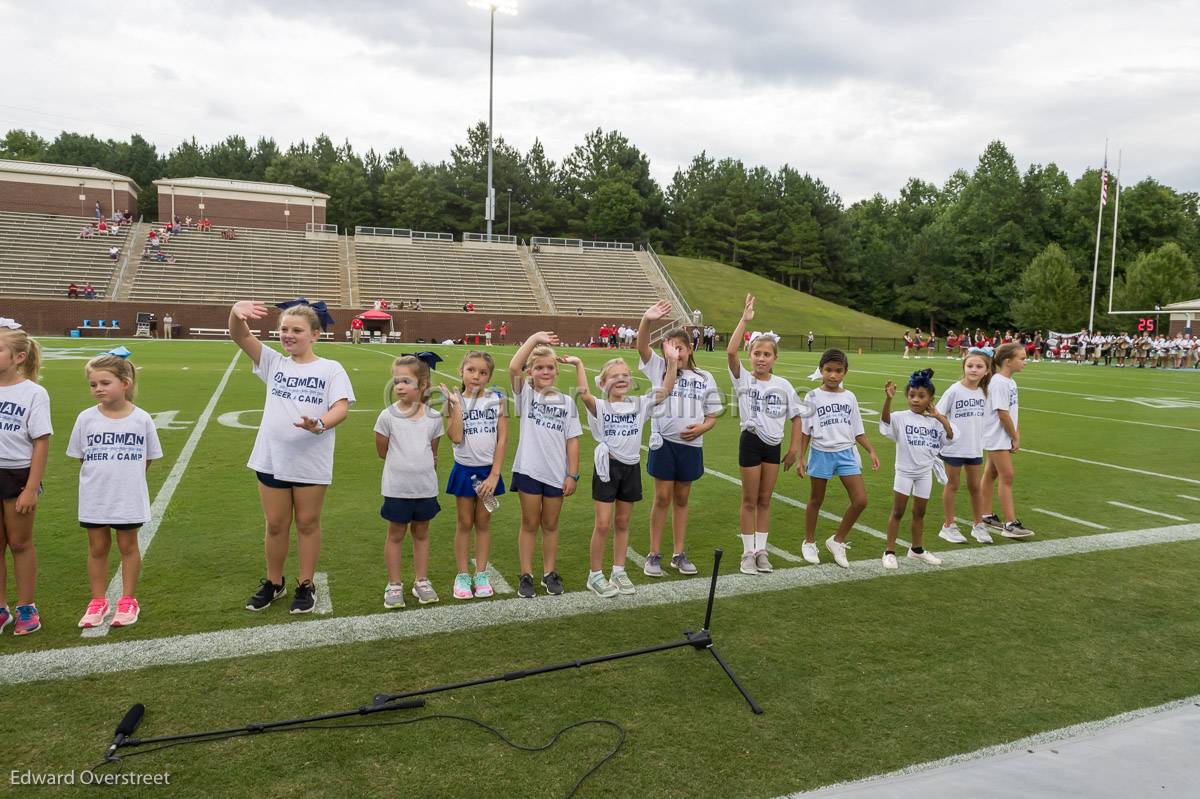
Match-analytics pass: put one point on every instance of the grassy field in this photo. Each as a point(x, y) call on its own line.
point(859, 672)
point(719, 291)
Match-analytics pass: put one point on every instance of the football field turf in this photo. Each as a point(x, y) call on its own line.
point(859, 672)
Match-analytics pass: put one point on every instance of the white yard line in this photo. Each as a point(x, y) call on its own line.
point(163, 498)
point(324, 602)
point(1114, 466)
point(106, 658)
point(1147, 510)
point(632, 554)
point(1067, 518)
point(783, 553)
point(1185, 496)
point(1111, 419)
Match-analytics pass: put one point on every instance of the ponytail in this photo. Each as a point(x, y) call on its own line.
point(21, 342)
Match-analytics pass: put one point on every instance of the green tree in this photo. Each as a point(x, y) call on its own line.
point(1051, 295)
point(615, 212)
point(1159, 278)
point(23, 145)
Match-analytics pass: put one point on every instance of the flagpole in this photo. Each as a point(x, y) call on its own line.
point(1112, 270)
point(1096, 258)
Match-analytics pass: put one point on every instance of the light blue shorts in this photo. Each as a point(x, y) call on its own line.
point(826, 465)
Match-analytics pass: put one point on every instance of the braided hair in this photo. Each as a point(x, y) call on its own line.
point(922, 378)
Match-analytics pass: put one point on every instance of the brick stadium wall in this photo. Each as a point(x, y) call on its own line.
point(57, 317)
point(239, 213)
point(40, 198)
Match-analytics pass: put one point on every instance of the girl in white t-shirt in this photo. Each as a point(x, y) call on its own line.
point(833, 428)
point(965, 405)
point(616, 421)
point(24, 448)
point(676, 457)
point(546, 466)
point(1001, 439)
point(766, 403)
point(407, 433)
point(477, 424)
point(920, 434)
point(307, 396)
point(115, 442)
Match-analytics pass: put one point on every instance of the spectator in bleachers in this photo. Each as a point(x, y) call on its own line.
point(99, 213)
point(102, 226)
point(383, 305)
point(187, 221)
point(127, 217)
point(89, 291)
point(87, 232)
point(229, 234)
point(113, 252)
point(417, 305)
point(205, 225)
point(73, 290)
point(579, 311)
point(114, 229)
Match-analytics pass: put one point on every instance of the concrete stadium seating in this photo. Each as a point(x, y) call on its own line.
point(600, 282)
point(40, 255)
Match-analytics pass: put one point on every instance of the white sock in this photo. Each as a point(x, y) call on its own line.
point(592, 574)
point(760, 541)
point(747, 542)
point(618, 569)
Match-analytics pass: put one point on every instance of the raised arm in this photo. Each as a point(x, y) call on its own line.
point(889, 391)
point(239, 331)
point(516, 367)
point(654, 313)
point(676, 360)
point(581, 386)
point(735, 340)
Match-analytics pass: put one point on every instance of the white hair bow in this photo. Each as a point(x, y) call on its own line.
point(11, 324)
point(816, 375)
point(770, 335)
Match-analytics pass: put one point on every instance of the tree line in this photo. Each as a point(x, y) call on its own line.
point(990, 246)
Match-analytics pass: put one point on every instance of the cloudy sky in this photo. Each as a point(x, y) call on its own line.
point(861, 94)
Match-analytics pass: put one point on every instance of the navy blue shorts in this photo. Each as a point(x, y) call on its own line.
point(459, 483)
point(953, 461)
point(403, 511)
point(13, 482)
point(270, 482)
point(677, 462)
point(124, 528)
point(524, 484)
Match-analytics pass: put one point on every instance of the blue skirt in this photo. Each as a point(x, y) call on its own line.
point(459, 483)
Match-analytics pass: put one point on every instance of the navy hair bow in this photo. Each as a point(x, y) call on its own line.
point(431, 359)
point(319, 307)
point(922, 378)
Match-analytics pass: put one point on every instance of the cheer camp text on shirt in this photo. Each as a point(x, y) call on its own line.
point(770, 402)
point(300, 389)
point(922, 436)
point(477, 421)
point(834, 413)
point(969, 407)
point(548, 415)
point(620, 425)
point(11, 415)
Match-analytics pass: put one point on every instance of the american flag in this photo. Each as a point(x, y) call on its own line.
point(1104, 185)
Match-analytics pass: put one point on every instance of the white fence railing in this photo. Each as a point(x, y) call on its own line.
point(497, 238)
point(425, 235)
point(316, 227)
point(607, 245)
point(397, 232)
point(554, 242)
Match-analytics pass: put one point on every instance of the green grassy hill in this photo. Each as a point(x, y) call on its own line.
point(720, 292)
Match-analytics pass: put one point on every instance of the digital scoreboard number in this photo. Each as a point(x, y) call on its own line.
point(1145, 325)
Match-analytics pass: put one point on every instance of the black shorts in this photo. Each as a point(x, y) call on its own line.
point(13, 482)
point(624, 483)
point(124, 528)
point(753, 451)
point(270, 482)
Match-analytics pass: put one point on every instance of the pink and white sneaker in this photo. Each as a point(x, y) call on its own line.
point(127, 612)
point(97, 609)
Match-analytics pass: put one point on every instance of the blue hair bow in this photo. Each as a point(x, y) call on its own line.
point(988, 351)
point(922, 378)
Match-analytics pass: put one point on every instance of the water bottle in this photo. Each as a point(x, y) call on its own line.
point(490, 503)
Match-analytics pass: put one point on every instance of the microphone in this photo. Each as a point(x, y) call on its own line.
point(126, 728)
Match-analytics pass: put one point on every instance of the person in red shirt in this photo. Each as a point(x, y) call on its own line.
point(470, 307)
point(503, 330)
point(356, 328)
point(603, 335)
point(73, 290)
point(487, 333)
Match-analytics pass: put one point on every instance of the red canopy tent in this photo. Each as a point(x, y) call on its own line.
point(374, 321)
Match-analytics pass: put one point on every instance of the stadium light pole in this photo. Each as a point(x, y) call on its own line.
point(508, 232)
point(504, 7)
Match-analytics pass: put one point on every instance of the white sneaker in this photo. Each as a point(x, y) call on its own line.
point(838, 550)
point(950, 532)
point(889, 561)
point(980, 533)
point(748, 563)
point(926, 556)
point(809, 551)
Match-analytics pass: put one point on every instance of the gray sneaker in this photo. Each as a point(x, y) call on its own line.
point(623, 583)
point(749, 564)
point(423, 591)
point(393, 596)
point(1015, 529)
point(682, 563)
point(601, 587)
point(653, 567)
point(762, 563)
point(552, 583)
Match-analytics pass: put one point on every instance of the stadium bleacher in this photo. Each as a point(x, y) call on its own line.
point(268, 265)
point(573, 273)
point(40, 255)
point(443, 275)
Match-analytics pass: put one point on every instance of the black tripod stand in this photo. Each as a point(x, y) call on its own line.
point(699, 640)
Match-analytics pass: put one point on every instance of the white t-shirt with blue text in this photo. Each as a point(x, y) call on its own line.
point(548, 421)
point(835, 422)
point(620, 424)
point(24, 416)
point(966, 408)
point(112, 479)
point(918, 439)
point(481, 420)
point(764, 405)
point(694, 397)
point(295, 389)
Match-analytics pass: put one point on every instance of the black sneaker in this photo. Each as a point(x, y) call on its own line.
point(304, 600)
point(525, 589)
point(267, 593)
point(552, 583)
point(992, 520)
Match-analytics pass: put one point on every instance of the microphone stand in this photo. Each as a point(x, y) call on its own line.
point(699, 640)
